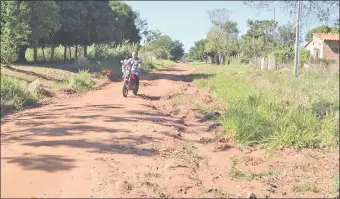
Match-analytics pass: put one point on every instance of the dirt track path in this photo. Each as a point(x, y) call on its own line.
point(104, 145)
point(97, 145)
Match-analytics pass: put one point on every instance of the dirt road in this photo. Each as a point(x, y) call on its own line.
point(104, 145)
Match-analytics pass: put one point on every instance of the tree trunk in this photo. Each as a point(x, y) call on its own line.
point(212, 57)
point(21, 54)
point(85, 51)
point(217, 60)
point(69, 49)
point(65, 49)
point(35, 53)
point(52, 51)
point(76, 54)
point(43, 51)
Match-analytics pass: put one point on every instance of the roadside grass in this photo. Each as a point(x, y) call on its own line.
point(236, 174)
point(198, 64)
point(13, 95)
point(157, 64)
point(82, 81)
point(203, 108)
point(53, 78)
point(176, 100)
point(305, 187)
point(274, 109)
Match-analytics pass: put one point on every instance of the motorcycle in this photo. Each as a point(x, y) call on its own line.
point(131, 83)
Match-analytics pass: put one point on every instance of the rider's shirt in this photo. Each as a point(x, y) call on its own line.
point(134, 62)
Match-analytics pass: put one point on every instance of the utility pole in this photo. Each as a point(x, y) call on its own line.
point(297, 39)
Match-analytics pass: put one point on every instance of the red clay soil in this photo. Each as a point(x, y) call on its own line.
point(101, 144)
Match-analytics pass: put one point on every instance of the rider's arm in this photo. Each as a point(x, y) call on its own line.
point(139, 64)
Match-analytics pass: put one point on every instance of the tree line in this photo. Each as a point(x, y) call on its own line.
point(48, 24)
point(162, 46)
point(263, 37)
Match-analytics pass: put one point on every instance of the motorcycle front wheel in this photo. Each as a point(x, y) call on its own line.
point(135, 90)
point(125, 90)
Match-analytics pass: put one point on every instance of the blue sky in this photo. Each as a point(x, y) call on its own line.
point(188, 21)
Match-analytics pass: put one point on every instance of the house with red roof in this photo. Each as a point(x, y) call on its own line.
point(324, 45)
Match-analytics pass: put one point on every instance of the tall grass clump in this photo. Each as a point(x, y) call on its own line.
point(13, 95)
point(82, 81)
point(274, 109)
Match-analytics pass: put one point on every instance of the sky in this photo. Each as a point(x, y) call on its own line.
point(188, 21)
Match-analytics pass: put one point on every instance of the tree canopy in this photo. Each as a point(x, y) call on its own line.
point(321, 29)
point(39, 24)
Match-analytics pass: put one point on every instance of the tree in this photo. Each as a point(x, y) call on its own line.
point(88, 22)
point(160, 47)
point(312, 10)
point(223, 33)
point(14, 29)
point(259, 40)
point(286, 33)
point(198, 51)
point(176, 50)
point(321, 29)
point(44, 20)
point(151, 35)
point(130, 25)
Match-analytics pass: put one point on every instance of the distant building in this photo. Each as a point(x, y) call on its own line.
point(324, 45)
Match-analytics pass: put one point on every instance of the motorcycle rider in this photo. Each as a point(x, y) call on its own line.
point(135, 63)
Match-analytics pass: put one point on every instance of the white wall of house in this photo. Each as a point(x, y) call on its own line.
point(315, 47)
point(317, 44)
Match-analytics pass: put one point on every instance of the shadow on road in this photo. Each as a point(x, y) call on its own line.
point(48, 163)
point(149, 97)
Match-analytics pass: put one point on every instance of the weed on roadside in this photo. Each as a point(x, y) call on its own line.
point(13, 95)
point(304, 166)
point(152, 175)
point(151, 185)
point(162, 194)
point(202, 108)
point(176, 100)
point(82, 81)
point(188, 154)
point(236, 174)
point(306, 187)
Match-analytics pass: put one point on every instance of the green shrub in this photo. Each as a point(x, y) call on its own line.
point(13, 96)
point(82, 81)
point(147, 65)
